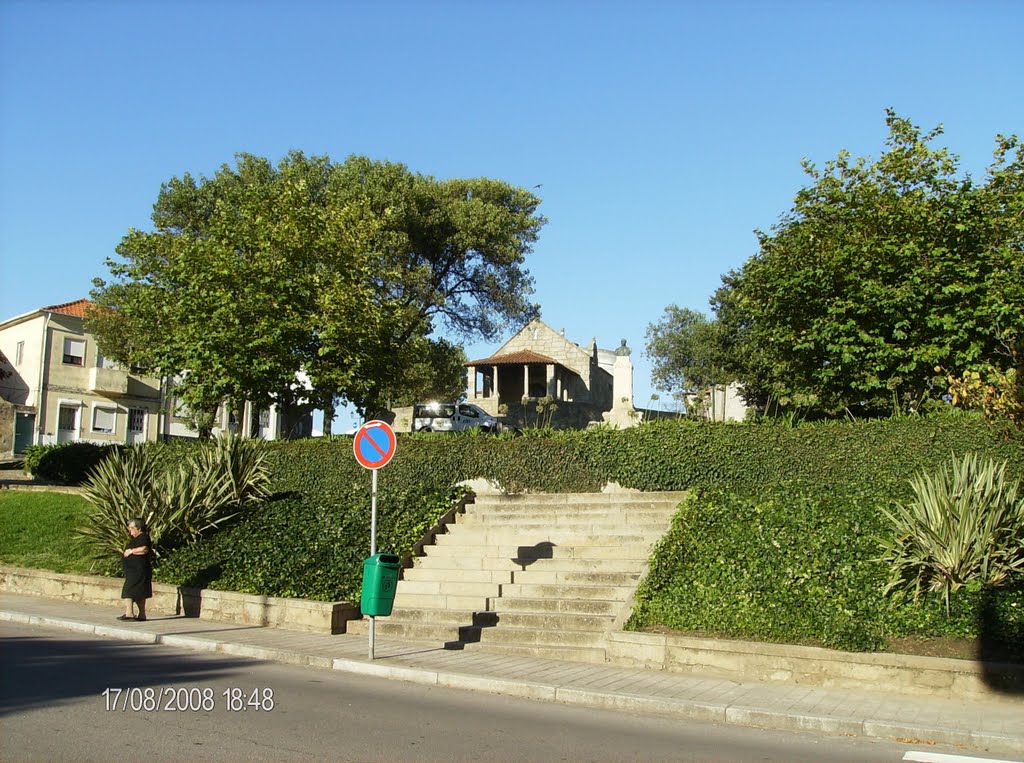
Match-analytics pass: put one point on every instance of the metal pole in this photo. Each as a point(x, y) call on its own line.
point(373, 543)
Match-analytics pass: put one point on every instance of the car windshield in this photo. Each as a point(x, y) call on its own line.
point(435, 410)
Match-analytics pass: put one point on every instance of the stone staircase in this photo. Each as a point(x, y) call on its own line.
point(541, 574)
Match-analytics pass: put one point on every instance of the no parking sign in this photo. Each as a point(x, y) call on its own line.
point(374, 444)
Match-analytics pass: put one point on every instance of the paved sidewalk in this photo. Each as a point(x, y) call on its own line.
point(994, 727)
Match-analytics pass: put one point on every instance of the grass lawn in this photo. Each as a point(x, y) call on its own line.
point(37, 530)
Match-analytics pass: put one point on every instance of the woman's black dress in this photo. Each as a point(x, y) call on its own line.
point(138, 572)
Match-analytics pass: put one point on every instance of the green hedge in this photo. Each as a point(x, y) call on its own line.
point(67, 463)
point(798, 568)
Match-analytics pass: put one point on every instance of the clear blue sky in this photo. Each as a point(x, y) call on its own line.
point(663, 133)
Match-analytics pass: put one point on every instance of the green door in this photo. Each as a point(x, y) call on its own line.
point(24, 425)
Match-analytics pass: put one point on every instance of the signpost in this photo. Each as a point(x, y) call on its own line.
point(374, 446)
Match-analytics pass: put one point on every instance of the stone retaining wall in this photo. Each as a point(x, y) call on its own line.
point(207, 604)
point(966, 680)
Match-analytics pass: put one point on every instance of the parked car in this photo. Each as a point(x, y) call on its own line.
point(451, 417)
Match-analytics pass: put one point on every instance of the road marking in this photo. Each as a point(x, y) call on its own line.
point(938, 757)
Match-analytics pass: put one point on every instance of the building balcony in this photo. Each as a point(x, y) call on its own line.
point(108, 381)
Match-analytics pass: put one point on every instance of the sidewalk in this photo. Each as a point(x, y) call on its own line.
point(990, 727)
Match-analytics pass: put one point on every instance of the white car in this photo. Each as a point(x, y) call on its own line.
point(451, 417)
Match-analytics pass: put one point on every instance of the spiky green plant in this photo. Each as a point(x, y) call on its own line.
point(244, 464)
point(966, 523)
point(178, 502)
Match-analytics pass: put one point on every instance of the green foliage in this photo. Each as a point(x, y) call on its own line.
point(37, 530)
point(67, 463)
point(180, 501)
point(336, 269)
point(965, 524)
point(789, 568)
point(686, 348)
point(881, 271)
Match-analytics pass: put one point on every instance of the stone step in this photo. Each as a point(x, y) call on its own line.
point(493, 578)
point(563, 606)
point(554, 557)
point(439, 572)
point(437, 633)
point(578, 509)
point(446, 588)
point(477, 536)
point(573, 498)
point(640, 520)
point(535, 576)
point(559, 591)
point(533, 637)
point(549, 529)
point(547, 621)
point(438, 601)
point(465, 556)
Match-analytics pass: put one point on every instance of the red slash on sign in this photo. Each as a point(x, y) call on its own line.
point(374, 444)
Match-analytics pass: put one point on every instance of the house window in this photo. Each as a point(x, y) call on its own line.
point(19, 353)
point(104, 420)
point(265, 418)
point(136, 420)
point(74, 352)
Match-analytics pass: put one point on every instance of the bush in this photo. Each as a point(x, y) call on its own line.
point(965, 524)
point(179, 502)
point(67, 463)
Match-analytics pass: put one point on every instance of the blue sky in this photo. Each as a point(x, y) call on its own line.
point(663, 133)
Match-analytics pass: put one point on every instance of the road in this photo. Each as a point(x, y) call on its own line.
point(176, 705)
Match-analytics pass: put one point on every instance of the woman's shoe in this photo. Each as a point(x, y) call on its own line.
point(122, 618)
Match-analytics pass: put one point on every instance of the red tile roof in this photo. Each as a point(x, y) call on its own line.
point(76, 308)
point(518, 358)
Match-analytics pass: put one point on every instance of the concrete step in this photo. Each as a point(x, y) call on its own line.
point(482, 536)
point(437, 571)
point(541, 573)
point(467, 556)
point(554, 557)
point(559, 591)
point(438, 601)
point(575, 498)
point(641, 521)
point(549, 529)
point(563, 606)
point(548, 621)
point(536, 575)
point(447, 588)
point(533, 637)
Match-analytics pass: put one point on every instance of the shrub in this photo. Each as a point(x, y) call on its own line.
point(966, 523)
point(178, 501)
point(67, 463)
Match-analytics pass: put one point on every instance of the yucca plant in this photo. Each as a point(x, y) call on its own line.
point(243, 463)
point(120, 488)
point(965, 524)
point(179, 503)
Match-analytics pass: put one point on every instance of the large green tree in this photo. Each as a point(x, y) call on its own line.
point(338, 270)
point(881, 272)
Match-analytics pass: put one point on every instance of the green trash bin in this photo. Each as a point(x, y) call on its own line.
point(380, 579)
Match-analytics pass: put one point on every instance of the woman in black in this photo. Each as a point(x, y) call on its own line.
point(138, 572)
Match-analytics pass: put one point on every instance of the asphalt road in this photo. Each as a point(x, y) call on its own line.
point(71, 697)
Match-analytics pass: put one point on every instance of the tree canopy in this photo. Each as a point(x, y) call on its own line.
point(881, 273)
point(343, 271)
